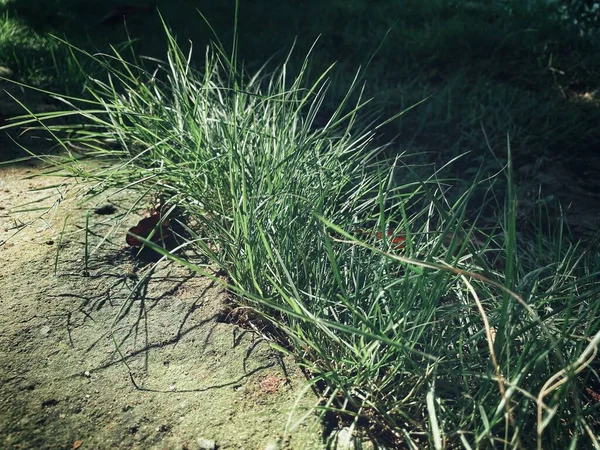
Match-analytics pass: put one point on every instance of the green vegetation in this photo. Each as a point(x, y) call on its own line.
point(418, 317)
point(501, 66)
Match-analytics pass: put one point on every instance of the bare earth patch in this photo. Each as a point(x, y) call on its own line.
point(103, 357)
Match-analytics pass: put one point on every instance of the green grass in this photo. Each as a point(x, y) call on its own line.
point(465, 336)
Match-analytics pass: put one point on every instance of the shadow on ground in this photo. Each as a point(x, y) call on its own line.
point(119, 360)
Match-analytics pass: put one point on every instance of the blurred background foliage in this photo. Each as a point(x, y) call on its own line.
point(529, 69)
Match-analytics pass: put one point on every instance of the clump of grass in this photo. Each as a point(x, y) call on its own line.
point(429, 340)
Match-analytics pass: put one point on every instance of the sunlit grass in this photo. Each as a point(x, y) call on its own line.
point(411, 322)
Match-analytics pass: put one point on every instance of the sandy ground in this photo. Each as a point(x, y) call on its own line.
point(119, 356)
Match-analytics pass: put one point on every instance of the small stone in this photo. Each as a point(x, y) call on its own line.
point(273, 445)
point(346, 439)
point(343, 439)
point(129, 270)
point(206, 444)
point(87, 373)
point(45, 330)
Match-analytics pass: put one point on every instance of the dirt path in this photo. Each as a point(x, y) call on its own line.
point(109, 361)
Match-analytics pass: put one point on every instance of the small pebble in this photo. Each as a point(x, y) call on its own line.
point(45, 330)
point(273, 445)
point(206, 444)
point(344, 440)
point(87, 373)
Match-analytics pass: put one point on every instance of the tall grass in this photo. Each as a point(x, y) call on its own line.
point(413, 329)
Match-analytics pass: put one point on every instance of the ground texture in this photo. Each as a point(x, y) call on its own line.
point(114, 355)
